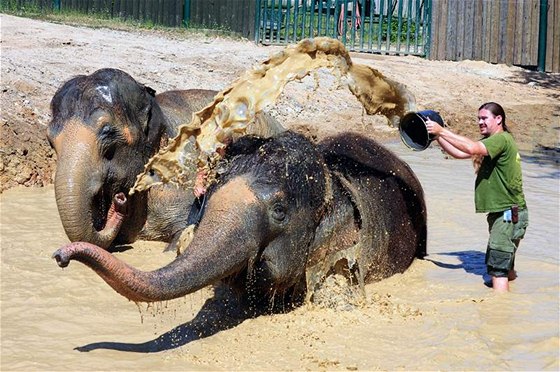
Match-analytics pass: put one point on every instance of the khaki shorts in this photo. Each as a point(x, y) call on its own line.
point(503, 242)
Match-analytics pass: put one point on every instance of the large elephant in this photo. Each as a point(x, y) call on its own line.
point(284, 207)
point(104, 128)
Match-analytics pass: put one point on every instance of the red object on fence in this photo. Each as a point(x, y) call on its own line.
point(342, 16)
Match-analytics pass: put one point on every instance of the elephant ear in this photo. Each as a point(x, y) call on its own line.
point(152, 117)
point(352, 157)
point(150, 91)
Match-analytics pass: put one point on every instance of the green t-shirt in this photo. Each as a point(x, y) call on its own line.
point(499, 184)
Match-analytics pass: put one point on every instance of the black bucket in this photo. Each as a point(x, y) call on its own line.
point(412, 128)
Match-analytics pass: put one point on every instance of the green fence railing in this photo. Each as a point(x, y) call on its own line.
point(376, 26)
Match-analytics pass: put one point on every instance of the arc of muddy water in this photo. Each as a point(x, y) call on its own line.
point(235, 107)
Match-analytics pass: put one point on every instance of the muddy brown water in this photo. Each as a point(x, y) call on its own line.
point(436, 316)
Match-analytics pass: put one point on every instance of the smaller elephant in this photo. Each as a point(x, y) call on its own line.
point(104, 128)
point(283, 208)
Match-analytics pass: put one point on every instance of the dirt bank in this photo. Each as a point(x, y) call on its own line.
point(37, 57)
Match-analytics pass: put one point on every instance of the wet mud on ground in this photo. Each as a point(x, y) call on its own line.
point(437, 315)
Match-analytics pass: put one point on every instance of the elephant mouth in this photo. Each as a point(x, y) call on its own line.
point(103, 205)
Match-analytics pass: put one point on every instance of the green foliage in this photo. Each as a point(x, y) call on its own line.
point(405, 29)
point(26, 7)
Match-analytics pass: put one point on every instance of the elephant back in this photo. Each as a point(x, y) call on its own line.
point(179, 105)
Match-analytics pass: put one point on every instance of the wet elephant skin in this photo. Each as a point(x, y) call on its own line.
point(280, 206)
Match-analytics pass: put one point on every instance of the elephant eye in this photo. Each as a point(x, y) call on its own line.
point(278, 212)
point(106, 131)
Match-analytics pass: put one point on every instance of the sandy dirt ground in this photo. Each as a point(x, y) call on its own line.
point(438, 315)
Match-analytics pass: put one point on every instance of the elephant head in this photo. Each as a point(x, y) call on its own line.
point(104, 128)
point(279, 205)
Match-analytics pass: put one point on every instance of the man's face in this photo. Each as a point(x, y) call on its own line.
point(488, 124)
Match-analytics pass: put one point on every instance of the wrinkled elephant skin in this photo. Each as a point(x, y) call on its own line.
point(281, 206)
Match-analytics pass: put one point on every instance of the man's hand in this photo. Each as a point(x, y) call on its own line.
point(433, 127)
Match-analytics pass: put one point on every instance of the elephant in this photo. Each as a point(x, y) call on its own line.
point(104, 128)
point(281, 209)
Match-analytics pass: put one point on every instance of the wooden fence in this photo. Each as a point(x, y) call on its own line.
point(496, 31)
point(237, 16)
point(162, 12)
point(552, 60)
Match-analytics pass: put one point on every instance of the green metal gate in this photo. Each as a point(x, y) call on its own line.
point(374, 26)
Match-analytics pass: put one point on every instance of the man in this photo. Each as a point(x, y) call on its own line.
point(498, 187)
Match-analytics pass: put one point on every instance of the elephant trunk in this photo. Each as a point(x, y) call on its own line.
point(88, 212)
point(223, 245)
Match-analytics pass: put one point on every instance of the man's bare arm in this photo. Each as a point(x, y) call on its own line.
point(451, 150)
point(463, 143)
point(456, 145)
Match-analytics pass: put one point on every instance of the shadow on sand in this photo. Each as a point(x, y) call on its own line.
point(224, 311)
point(219, 313)
point(473, 262)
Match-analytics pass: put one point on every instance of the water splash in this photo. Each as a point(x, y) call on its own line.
point(235, 107)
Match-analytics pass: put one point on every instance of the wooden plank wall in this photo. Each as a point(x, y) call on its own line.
point(163, 12)
point(237, 16)
point(496, 31)
point(553, 37)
